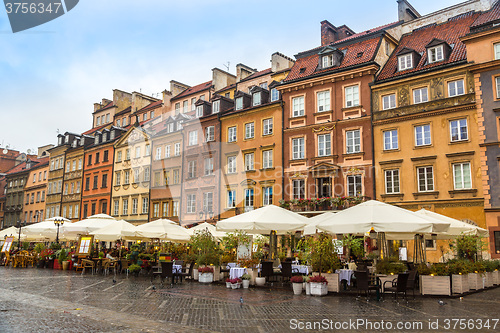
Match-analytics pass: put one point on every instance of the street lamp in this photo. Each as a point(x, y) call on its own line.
point(19, 239)
point(58, 222)
point(204, 213)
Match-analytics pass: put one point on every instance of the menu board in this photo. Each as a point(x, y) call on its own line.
point(84, 245)
point(8, 244)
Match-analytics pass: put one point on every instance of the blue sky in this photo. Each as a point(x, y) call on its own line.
point(51, 75)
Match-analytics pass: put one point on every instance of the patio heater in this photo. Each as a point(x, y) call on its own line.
point(58, 222)
point(19, 239)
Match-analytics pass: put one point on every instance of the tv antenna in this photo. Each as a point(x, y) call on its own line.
point(227, 65)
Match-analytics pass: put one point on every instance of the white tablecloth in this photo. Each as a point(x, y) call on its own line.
point(302, 269)
point(231, 265)
point(177, 269)
point(345, 274)
point(236, 272)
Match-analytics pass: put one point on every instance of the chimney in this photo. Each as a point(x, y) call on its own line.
point(243, 71)
point(222, 79)
point(280, 62)
point(406, 12)
point(97, 106)
point(331, 33)
point(176, 87)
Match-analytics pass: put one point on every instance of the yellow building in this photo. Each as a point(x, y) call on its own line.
point(131, 178)
point(425, 127)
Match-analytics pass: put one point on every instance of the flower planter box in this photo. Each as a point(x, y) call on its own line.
point(56, 264)
point(297, 288)
point(475, 281)
point(435, 285)
point(460, 283)
point(246, 284)
point(195, 274)
point(308, 288)
point(333, 282)
point(260, 281)
point(217, 274)
point(319, 288)
point(206, 277)
point(488, 279)
point(496, 277)
point(228, 285)
point(235, 285)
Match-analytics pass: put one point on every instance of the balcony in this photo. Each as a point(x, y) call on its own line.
point(316, 205)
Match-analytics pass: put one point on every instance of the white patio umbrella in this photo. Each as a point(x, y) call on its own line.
point(11, 231)
point(264, 220)
point(310, 228)
point(207, 226)
point(45, 230)
point(164, 229)
point(88, 225)
point(118, 230)
point(381, 217)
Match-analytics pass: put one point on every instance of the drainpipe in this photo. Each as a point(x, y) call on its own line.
point(374, 183)
point(282, 149)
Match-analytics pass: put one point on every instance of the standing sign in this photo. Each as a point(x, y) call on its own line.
point(8, 244)
point(84, 245)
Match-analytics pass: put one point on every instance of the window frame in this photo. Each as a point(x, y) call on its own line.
point(427, 183)
point(430, 54)
point(231, 199)
point(459, 130)
point(420, 95)
point(355, 184)
point(323, 101)
point(249, 131)
point(351, 142)
point(298, 107)
point(423, 144)
point(299, 153)
point(215, 106)
point(456, 87)
point(268, 126)
point(324, 144)
point(391, 139)
point(267, 158)
point(407, 64)
point(389, 101)
point(193, 138)
point(210, 133)
point(249, 162)
point(355, 102)
point(232, 133)
point(394, 181)
point(231, 167)
point(463, 182)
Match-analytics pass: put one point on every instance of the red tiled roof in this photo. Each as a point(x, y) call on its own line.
point(22, 166)
point(492, 15)
point(90, 131)
point(257, 74)
point(450, 32)
point(152, 106)
point(107, 106)
point(194, 90)
point(355, 54)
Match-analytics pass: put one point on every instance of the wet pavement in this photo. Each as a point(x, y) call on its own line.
point(45, 300)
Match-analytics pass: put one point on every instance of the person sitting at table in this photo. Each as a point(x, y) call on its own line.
point(109, 256)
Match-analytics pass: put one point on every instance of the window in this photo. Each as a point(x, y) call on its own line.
point(148, 150)
point(124, 122)
point(170, 128)
point(167, 151)
point(249, 131)
point(420, 95)
point(147, 173)
point(455, 88)
point(267, 126)
point(117, 178)
point(166, 209)
point(191, 169)
point(104, 181)
point(156, 210)
point(191, 203)
point(210, 133)
point(177, 149)
point(353, 141)
point(299, 189)
point(423, 135)
point(78, 187)
point(435, 54)
point(208, 202)
point(497, 83)
point(95, 183)
point(354, 186)
point(193, 138)
point(390, 139)
point(166, 177)
point(462, 176)
point(405, 62)
point(185, 106)
point(216, 107)
point(65, 189)
point(145, 205)
point(209, 166)
point(97, 158)
point(275, 95)
point(297, 148)
point(152, 115)
point(136, 175)
point(199, 111)
point(231, 134)
point(176, 176)
point(497, 53)
point(351, 96)
point(458, 130)
point(98, 121)
point(118, 123)
point(389, 101)
point(177, 108)
point(387, 48)
point(324, 145)
point(127, 154)
point(231, 198)
point(263, 85)
point(144, 116)
point(137, 152)
point(43, 196)
point(267, 159)
point(323, 101)
point(249, 159)
point(239, 103)
point(126, 175)
point(175, 208)
point(89, 161)
point(158, 153)
point(256, 100)
point(248, 199)
point(425, 179)
point(392, 181)
point(267, 198)
point(125, 207)
point(298, 106)
point(193, 103)
point(231, 164)
point(327, 61)
point(134, 205)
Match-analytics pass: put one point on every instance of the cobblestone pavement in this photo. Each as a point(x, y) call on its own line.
point(44, 300)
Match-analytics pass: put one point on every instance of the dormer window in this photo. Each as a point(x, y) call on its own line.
point(112, 135)
point(60, 140)
point(66, 139)
point(405, 62)
point(96, 139)
point(239, 103)
point(199, 111)
point(435, 54)
point(216, 107)
point(275, 95)
point(118, 123)
point(327, 61)
point(82, 141)
point(329, 57)
point(170, 128)
point(104, 135)
point(179, 125)
point(75, 142)
point(256, 98)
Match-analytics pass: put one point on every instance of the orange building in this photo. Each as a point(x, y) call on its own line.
point(35, 191)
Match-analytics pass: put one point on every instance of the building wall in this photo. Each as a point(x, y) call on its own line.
point(36, 190)
point(55, 181)
point(73, 172)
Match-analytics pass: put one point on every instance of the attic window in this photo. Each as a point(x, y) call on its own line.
point(327, 61)
point(435, 54)
point(405, 62)
point(302, 70)
point(359, 55)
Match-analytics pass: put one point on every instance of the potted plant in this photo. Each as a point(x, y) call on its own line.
point(206, 274)
point(39, 247)
point(228, 283)
point(235, 283)
point(459, 270)
point(134, 269)
point(63, 260)
point(319, 285)
point(246, 280)
point(435, 280)
point(297, 284)
point(476, 276)
point(205, 250)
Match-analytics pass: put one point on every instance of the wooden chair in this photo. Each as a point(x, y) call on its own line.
point(363, 283)
point(124, 263)
point(267, 271)
point(86, 263)
point(166, 272)
point(412, 281)
point(189, 273)
point(398, 285)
